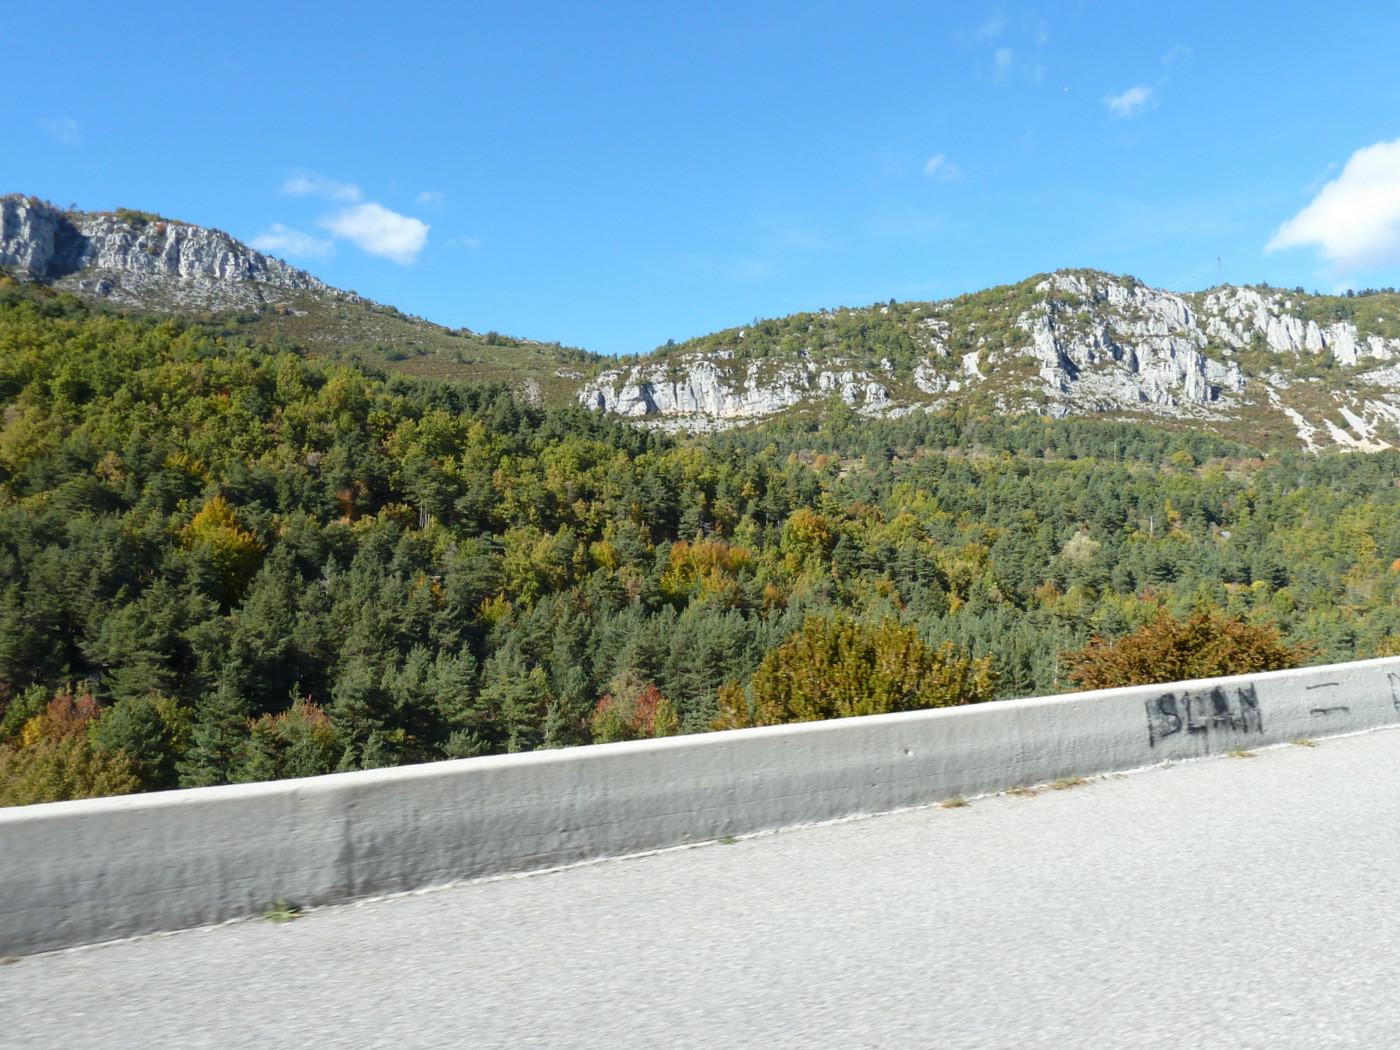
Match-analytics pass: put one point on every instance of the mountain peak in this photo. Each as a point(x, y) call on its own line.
point(135, 258)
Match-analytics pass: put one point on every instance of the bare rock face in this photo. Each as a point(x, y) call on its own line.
point(1239, 314)
point(1073, 343)
point(29, 232)
point(1119, 344)
point(1126, 346)
point(698, 394)
point(1087, 343)
point(140, 260)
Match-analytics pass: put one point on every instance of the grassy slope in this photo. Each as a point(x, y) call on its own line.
point(368, 333)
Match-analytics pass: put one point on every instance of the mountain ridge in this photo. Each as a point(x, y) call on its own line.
point(129, 259)
point(1302, 369)
point(1272, 366)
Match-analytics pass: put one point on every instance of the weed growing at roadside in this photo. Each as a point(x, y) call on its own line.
point(1303, 741)
point(956, 802)
point(282, 912)
point(1068, 782)
point(1240, 752)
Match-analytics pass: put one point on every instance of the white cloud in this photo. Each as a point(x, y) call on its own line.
point(309, 184)
point(993, 26)
point(285, 241)
point(1355, 219)
point(1003, 58)
point(939, 166)
point(64, 129)
point(380, 231)
point(988, 30)
point(429, 197)
point(1132, 102)
point(371, 226)
point(1179, 53)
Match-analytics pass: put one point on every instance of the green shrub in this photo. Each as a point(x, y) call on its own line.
point(1207, 644)
point(53, 758)
point(135, 218)
point(152, 731)
point(299, 742)
point(836, 667)
point(21, 709)
point(58, 770)
point(633, 709)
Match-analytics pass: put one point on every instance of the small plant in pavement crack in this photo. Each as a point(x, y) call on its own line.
point(282, 912)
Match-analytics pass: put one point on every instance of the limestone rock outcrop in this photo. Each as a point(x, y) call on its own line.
point(699, 394)
point(1115, 345)
point(1080, 342)
point(1313, 370)
point(140, 260)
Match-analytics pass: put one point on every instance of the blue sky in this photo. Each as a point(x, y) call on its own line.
point(616, 175)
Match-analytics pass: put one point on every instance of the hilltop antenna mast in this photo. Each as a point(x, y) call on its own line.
point(1219, 269)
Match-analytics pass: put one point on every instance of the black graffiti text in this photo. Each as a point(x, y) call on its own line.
point(1232, 707)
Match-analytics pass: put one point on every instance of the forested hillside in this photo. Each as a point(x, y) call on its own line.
point(258, 564)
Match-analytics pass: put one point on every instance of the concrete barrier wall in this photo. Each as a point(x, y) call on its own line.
point(78, 872)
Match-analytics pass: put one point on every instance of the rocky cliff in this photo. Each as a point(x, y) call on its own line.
point(137, 259)
point(133, 259)
point(1269, 365)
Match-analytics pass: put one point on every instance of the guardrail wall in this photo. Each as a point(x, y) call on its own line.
point(77, 872)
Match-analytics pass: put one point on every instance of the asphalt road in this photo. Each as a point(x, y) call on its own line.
point(1234, 902)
